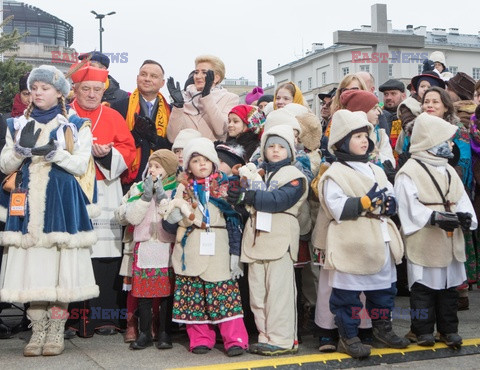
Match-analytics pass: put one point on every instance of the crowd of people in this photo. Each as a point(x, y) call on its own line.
point(202, 214)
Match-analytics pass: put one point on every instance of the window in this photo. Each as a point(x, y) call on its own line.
point(476, 73)
point(309, 83)
point(419, 69)
point(299, 84)
point(454, 70)
point(345, 71)
point(364, 68)
point(324, 78)
point(390, 70)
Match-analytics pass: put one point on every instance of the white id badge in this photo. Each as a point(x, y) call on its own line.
point(207, 244)
point(264, 221)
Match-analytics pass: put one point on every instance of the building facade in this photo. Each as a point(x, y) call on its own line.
point(323, 68)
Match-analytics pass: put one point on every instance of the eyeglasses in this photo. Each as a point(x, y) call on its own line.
point(345, 89)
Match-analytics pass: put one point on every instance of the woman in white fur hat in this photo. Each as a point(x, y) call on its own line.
point(48, 234)
point(434, 208)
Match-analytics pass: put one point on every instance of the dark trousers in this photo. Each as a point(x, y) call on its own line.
point(346, 306)
point(165, 314)
point(430, 306)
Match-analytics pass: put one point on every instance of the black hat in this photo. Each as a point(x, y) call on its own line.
point(330, 94)
point(230, 154)
point(96, 57)
point(431, 76)
point(265, 98)
point(392, 84)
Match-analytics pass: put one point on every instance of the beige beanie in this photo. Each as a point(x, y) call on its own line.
point(311, 130)
point(184, 136)
point(283, 131)
point(281, 117)
point(429, 131)
point(167, 159)
point(344, 122)
point(202, 146)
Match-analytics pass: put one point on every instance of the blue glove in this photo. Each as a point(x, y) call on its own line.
point(374, 198)
point(390, 206)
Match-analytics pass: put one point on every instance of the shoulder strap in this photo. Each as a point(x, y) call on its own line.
point(446, 203)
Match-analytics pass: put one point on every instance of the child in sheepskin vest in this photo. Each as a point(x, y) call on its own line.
point(434, 209)
point(356, 195)
point(150, 260)
point(206, 255)
point(270, 242)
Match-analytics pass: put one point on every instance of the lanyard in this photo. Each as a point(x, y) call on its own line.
point(203, 209)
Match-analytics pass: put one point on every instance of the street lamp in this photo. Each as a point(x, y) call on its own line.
point(100, 17)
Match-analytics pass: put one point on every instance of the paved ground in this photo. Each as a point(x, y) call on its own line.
point(110, 352)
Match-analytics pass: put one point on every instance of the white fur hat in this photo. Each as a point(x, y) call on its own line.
point(202, 146)
point(268, 108)
point(281, 117)
point(344, 122)
point(296, 109)
point(430, 131)
point(311, 130)
point(184, 136)
point(49, 75)
point(285, 132)
point(438, 56)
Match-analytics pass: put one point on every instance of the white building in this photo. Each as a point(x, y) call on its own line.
point(323, 68)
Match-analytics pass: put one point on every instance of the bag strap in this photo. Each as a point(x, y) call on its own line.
point(446, 203)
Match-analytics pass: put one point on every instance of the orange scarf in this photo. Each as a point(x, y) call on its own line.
point(161, 122)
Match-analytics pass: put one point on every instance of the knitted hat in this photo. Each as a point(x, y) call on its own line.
point(255, 94)
point(184, 136)
point(96, 57)
point(49, 75)
point(462, 85)
point(167, 159)
point(429, 131)
point(343, 123)
point(230, 154)
point(265, 98)
point(430, 76)
point(202, 146)
point(358, 100)
point(438, 56)
point(311, 130)
point(283, 131)
point(274, 139)
point(392, 84)
point(88, 73)
point(281, 117)
point(22, 82)
point(249, 116)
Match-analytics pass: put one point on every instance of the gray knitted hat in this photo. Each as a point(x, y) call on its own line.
point(49, 75)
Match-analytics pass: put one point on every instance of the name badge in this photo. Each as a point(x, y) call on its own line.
point(264, 221)
point(207, 244)
point(18, 202)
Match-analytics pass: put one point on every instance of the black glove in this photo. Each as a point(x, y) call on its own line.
point(235, 195)
point(190, 80)
point(402, 159)
point(389, 171)
point(428, 65)
point(208, 83)
point(144, 128)
point(175, 93)
point(465, 220)
point(390, 206)
point(447, 221)
point(29, 136)
point(45, 149)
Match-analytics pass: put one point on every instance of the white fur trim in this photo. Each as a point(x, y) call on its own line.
point(50, 294)
point(78, 294)
point(82, 239)
point(136, 211)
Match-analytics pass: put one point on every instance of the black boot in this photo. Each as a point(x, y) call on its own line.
point(143, 341)
point(353, 347)
point(164, 341)
point(164, 325)
point(383, 332)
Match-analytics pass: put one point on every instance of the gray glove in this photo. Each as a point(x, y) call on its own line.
point(175, 216)
point(236, 267)
point(147, 189)
point(160, 193)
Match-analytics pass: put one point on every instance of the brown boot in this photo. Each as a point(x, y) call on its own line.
point(39, 324)
point(131, 334)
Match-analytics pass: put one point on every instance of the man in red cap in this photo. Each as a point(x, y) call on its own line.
point(113, 150)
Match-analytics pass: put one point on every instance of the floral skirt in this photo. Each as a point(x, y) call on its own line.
point(196, 301)
point(472, 265)
point(151, 282)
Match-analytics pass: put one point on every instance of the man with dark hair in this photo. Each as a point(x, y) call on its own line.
point(146, 112)
point(113, 92)
point(393, 94)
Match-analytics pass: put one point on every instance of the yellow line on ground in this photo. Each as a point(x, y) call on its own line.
point(323, 357)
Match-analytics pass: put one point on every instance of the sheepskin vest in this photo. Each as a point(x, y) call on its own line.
point(355, 246)
point(432, 246)
point(285, 232)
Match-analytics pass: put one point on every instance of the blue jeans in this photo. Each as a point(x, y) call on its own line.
point(346, 306)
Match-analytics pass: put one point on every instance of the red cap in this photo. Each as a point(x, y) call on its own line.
point(358, 100)
point(88, 73)
point(243, 111)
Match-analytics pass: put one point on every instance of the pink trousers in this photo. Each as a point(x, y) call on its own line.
point(233, 334)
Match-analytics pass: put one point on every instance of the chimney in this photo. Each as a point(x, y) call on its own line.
point(410, 27)
point(389, 26)
point(420, 31)
point(439, 32)
point(453, 31)
point(316, 46)
point(259, 72)
point(366, 28)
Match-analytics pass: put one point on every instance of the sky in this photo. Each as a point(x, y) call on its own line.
point(174, 32)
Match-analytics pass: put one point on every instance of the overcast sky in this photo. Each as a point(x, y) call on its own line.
point(174, 32)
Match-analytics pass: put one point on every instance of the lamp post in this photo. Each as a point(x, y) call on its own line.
point(100, 17)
